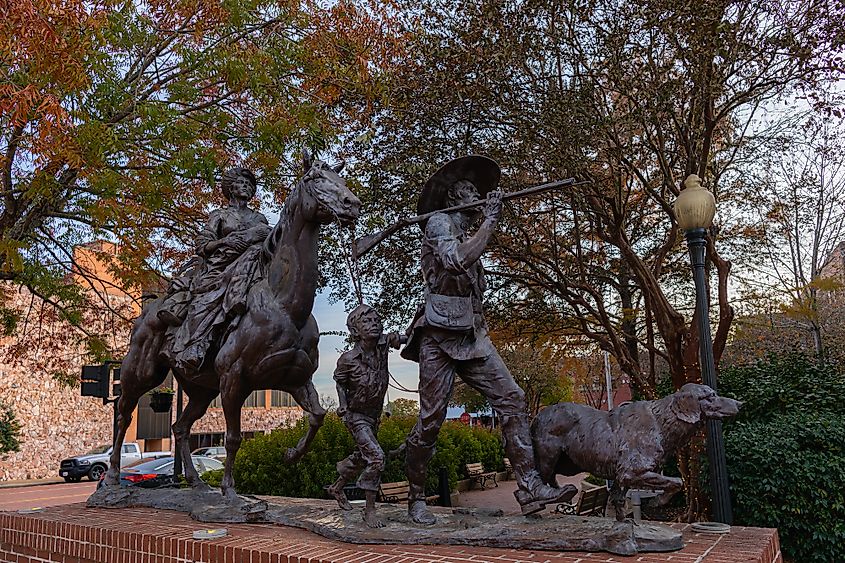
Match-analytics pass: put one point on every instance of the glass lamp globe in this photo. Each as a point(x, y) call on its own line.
point(695, 206)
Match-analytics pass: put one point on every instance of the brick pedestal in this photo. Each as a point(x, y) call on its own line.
point(75, 534)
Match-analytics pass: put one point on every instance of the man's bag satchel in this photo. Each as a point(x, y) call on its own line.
point(449, 312)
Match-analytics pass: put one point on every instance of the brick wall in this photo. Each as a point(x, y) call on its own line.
point(75, 534)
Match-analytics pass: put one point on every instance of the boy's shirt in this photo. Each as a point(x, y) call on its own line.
point(364, 376)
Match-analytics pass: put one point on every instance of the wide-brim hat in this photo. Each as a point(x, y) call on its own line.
point(482, 171)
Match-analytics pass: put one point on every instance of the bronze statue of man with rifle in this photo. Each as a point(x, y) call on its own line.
point(448, 336)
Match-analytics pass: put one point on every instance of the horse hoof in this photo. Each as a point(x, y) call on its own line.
point(201, 487)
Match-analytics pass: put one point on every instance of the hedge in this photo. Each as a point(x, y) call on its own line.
point(786, 452)
point(261, 470)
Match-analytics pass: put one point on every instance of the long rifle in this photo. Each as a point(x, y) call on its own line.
point(366, 243)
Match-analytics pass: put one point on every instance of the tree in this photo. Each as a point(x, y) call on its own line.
point(9, 430)
point(116, 118)
point(802, 213)
point(404, 407)
point(633, 97)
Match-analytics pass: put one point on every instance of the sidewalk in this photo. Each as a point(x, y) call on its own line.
point(30, 482)
point(502, 496)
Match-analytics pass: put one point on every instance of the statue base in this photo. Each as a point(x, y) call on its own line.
point(458, 526)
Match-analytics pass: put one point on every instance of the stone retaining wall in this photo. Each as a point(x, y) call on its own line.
point(56, 423)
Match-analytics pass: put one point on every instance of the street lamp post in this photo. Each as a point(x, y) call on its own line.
point(694, 210)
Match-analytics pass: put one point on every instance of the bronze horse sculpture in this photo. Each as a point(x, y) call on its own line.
point(272, 346)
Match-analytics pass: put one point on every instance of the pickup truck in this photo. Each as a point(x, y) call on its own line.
point(94, 463)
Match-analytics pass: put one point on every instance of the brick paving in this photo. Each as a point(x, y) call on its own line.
point(75, 534)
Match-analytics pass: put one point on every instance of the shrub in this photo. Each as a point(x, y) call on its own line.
point(786, 452)
point(9, 430)
point(785, 383)
point(260, 468)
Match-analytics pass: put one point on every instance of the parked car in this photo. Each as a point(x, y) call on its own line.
point(159, 472)
point(95, 463)
point(217, 452)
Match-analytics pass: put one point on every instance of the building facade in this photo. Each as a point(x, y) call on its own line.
point(39, 371)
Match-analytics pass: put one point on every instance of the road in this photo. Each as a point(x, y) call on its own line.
point(17, 498)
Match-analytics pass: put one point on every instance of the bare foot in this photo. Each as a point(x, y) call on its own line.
point(338, 494)
point(371, 519)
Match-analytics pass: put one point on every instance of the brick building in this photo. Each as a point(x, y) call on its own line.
point(41, 361)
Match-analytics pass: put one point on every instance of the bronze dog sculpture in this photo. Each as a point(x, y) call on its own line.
point(629, 444)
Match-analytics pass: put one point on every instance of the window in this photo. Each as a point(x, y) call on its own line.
point(255, 399)
point(281, 399)
point(128, 449)
point(212, 464)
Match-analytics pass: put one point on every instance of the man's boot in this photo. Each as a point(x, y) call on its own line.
point(533, 494)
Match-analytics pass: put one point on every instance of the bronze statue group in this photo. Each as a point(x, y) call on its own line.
point(237, 317)
point(448, 338)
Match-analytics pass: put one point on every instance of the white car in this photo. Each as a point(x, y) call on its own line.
point(216, 452)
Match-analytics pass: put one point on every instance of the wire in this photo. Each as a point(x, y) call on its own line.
point(398, 386)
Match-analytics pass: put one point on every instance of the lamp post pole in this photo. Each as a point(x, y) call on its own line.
point(697, 242)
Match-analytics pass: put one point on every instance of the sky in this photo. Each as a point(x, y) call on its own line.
point(332, 317)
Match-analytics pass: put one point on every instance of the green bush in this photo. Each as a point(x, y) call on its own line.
point(260, 468)
point(9, 430)
point(786, 452)
point(785, 383)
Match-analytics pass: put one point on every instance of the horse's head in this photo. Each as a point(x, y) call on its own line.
point(324, 194)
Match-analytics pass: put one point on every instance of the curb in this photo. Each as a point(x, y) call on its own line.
point(35, 483)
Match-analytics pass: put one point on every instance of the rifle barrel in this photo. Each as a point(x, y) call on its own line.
point(366, 243)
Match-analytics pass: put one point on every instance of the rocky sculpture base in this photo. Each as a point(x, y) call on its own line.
point(455, 526)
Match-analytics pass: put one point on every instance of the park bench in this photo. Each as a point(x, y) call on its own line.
point(592, 502)
point(476, 472)
point(398, 492)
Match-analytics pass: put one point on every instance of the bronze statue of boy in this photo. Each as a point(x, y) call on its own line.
point(362, 379)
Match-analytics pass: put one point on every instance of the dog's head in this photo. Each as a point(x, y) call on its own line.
point(696, 402)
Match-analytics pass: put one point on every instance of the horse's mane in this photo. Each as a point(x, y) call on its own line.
point(281, 227)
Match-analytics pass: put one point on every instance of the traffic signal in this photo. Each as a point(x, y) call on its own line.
point(96, 380)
